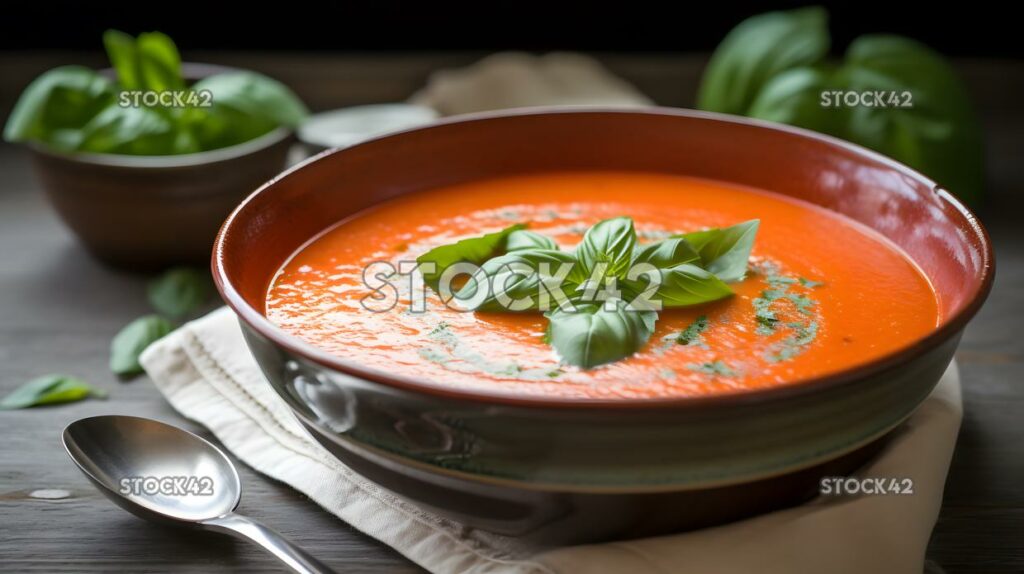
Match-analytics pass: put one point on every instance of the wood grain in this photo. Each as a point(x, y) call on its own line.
point(59, 308)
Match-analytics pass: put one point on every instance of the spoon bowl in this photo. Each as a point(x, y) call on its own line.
point(163, 473)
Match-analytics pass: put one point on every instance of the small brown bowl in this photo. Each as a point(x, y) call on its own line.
point(149, 212)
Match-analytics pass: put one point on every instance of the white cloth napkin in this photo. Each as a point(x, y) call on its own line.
point(206, 372)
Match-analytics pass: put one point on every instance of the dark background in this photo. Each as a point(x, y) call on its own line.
point(956, 28)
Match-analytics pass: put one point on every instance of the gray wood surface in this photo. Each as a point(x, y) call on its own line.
point(59, 308)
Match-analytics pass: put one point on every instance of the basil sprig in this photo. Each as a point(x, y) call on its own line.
point(774, 67)
point(600, 294)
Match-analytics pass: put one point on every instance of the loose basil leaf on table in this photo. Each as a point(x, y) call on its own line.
point(725, 251)
point(474, 250)
point(610, 242)
point(518, 276)
point(757, 50)
point(592, 336)
point(48, 390)
point(59, 101)
point(180, 291)
point(526, 239)
point(132, 340)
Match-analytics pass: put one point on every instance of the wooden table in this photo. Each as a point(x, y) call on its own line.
point(59, 309)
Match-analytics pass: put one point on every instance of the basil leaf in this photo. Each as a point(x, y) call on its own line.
point(179, 292)
point(129, 130)
point(526, 239)
point(49, 389)
point(686, 285)
point(518, 275)
point(609, 242)
point(757, 50)
point(591, 336)
point(666, 253)
point(124, 57)
point(725, 252)
point(938, 134)
point(57, 104)
point(794, 97)
point(474, 250)
point(253, 96)
point(132, 340)
point(159, 62)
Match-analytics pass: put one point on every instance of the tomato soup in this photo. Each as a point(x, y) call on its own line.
point(821, 294)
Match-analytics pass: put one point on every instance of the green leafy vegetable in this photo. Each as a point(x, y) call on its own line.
point(773, 67)
point(590, 323)
point(159, 62)
point(666, 253)
point(526, 239)
point(611, 243)
point(691, 334)
point(132, 340)
point(686, 285)
point(48, 390)
point(756, 51)
point(592, 336)
point(474, 250)
point(725, 252)
point(57, 104)
point(179, 291)
point(517, 277)
point(76, 109)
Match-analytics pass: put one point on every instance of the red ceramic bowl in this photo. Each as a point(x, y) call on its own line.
point(595, 468)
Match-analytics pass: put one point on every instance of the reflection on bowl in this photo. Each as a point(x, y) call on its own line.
point(566, 470)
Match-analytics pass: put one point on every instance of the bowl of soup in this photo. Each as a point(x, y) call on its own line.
point(816, 292)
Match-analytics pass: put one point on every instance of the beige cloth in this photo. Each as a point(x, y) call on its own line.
point(206, 372)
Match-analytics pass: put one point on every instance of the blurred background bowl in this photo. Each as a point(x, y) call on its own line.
point(149, 212)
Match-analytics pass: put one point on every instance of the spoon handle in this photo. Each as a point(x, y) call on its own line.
point(296, 558)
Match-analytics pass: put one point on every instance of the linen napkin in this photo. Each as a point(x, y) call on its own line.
point(206, 372)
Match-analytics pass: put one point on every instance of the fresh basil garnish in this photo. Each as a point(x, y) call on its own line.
point(725, 252)
point(518, 276)
point(592, 335)
point(680, 271)
point(179, 291)
point(687, 285)
point(132, 340)
point(609, 243)
point(666, 253)
point(474, 250)
point(525, 239)
point(774, 66)
point(48, 390)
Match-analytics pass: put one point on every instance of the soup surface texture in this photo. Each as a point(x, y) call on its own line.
point(822, 293)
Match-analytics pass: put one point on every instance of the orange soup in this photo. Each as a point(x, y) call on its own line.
point(821, 293)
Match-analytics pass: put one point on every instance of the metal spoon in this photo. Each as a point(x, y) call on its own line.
point(160, 472)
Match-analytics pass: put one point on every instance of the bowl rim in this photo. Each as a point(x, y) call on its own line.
point(948, 329)
point(154, 162)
